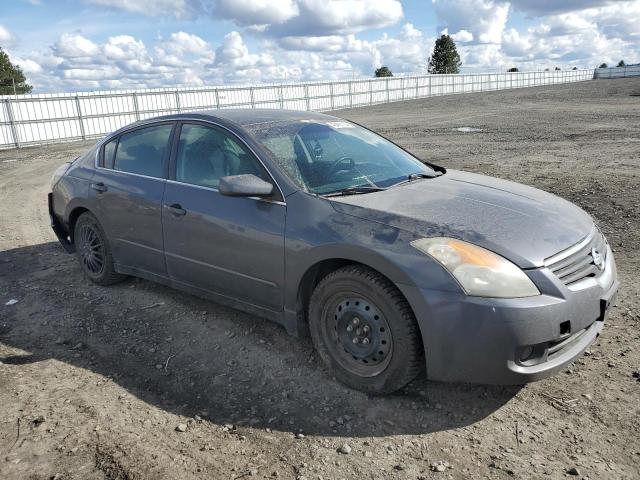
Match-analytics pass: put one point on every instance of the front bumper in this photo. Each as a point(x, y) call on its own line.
point(510, 341)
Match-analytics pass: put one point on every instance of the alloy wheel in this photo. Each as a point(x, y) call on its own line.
point(91, 249)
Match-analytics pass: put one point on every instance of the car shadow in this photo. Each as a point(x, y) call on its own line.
point(193, 357)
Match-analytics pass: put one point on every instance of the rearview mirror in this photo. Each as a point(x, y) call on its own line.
point(247, 185)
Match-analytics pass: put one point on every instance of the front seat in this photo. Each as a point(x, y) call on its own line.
point(204, 164)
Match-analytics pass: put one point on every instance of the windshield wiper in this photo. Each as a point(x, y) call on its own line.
point(354, 191)
point(416, 176)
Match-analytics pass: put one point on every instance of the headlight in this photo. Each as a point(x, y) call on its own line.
point(58, 174)
point(480, 272)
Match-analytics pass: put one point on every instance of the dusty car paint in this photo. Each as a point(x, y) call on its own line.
point(259, 255)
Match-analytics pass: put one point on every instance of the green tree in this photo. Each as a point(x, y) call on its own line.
point(11, 75)
point(621, 64)
point(383, 72)
point(513, 69)
point(557, 68)
point(574, 68)
point(445, 58)
point(603, 65)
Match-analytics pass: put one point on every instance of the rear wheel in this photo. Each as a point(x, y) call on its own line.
point(365, 331)
point(93, 251)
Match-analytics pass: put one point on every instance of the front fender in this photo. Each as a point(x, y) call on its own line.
point(339, 236)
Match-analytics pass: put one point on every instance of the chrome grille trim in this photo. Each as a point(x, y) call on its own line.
point(571, 250)
point(576, 262)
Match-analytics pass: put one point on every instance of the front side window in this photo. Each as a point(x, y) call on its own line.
point(206, 154)
point(143, 151)
point(326, 157)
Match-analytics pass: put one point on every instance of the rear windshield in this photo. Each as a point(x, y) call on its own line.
point(325, 157)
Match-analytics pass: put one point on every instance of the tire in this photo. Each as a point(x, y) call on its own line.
point(94, 252)
point(379, 359)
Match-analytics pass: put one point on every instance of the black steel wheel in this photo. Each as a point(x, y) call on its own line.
point(365, 331)
point(361, 336)
point(93, 251)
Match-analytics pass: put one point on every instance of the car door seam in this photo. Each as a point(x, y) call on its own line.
point(222, 269)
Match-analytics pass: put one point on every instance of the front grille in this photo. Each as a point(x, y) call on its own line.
point(578, 262)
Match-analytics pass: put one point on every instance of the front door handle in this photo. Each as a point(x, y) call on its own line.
point(176, 209)
point(99, 187)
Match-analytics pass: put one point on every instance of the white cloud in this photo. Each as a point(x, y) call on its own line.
point(183, 49)
point(104, 73)
point(28, 66)
point(234, 53)
point(72, 45)
point(257, 12)
point(328, 43)
point(619, 20)
point(5, 37)
point(516, 45)
point(345, 55)
point(565, 24)
point(171, 8)
point(583, 38)
point(550, 7)
point(567, 33)
point(328, 17)
point(278, 17)
point(484, 19)
point(406, 53)
point(75, 62)
point(184, 43)
point(317, 40)
point(124, 47)
point(463, 36)
point(485, 57)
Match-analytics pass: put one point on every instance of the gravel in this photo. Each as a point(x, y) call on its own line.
point(182, 427)
point(345, 449)
point(580, 141)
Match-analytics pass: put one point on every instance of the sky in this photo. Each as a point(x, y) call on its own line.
point(80, 45)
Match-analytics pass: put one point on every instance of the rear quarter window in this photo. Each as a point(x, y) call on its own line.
point(108, 153)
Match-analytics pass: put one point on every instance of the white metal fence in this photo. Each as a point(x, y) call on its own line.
point(51, 118)
point(618, 72)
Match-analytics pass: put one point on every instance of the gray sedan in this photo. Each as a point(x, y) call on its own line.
point(390, 264)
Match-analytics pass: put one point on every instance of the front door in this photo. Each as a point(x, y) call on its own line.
point(232, 246)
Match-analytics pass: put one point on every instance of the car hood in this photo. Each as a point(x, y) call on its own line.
point(521, 223)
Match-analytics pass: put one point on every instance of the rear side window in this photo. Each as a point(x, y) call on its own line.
point(109, 150)
point(143, 151)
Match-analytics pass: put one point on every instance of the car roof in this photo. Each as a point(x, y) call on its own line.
point(244, 117)
point(252, 116)
point(235, 118)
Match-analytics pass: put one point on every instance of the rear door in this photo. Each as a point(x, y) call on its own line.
point(128, 187)
point(232, 246)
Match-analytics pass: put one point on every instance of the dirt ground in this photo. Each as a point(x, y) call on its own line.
point(94, 382)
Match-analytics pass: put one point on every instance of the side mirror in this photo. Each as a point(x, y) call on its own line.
point(247, 185)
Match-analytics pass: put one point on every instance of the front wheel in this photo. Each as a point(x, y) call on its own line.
point(93, 251)
point(365, 331)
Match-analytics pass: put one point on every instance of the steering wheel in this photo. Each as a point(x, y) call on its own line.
point(334, 167)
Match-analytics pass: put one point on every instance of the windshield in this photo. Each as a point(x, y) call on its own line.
point(335, 155)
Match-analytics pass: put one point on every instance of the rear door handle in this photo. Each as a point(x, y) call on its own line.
point(176, 209)
point(99, 187)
